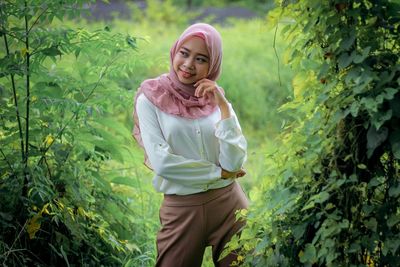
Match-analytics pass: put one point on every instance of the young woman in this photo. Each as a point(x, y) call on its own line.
point(194, 144)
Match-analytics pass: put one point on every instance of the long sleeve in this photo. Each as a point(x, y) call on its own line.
point(194, 173)
point(232, 143)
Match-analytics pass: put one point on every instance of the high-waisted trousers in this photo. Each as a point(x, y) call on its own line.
point(190, 223)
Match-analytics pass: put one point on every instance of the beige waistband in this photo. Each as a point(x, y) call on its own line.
point(198, 198)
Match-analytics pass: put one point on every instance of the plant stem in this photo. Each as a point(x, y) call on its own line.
point(37, 19)
point(7, 253)
point(16, 104)
point(13, 36)
point(276, 55)
point(25, 187)
point(8, 163)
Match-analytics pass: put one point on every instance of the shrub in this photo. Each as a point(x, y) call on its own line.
point(335, 200)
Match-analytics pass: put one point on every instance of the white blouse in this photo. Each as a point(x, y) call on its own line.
point(187, 154)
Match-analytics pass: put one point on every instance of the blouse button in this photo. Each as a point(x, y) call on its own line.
point(198, 131)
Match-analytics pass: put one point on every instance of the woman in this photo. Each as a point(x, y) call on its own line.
point(194, 144)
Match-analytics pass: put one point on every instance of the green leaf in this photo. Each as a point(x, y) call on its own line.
point(124, 181)
point(52, 51)
point(64, 255)
point(368, 209)
point(344, 60)
point(379, 118)
point(132, 41)
point(391, 244)
point(396, 150)
point(354, 247)
point(390, 93)
point(352, 75)
point(393, 220)
point(287, 174)
point(375, 182)
point(394, 191)
point(364, 54)
point(369, 103)
point(309, 255)
point(348, 42)
point(77, 52)
point(371, 224)
point(298, 230)
point(310, 204)
point(321, 197)
point(101, 183)
point(375, 138)
point(323, 70)
point(395, 143)
point(355, 106)
point(362, 166)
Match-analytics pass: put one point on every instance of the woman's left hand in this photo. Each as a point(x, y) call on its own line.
point(208, 88)
point(232, 175)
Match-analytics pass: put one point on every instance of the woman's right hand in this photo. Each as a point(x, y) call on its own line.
point(232, 175)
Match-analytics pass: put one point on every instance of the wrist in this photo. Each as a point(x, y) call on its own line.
point(224, 108)
point(223, 104)
point(227, 174)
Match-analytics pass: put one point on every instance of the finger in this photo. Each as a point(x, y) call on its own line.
point(209, 93)
point(199, 90)
point(199, 82)
point(241, 173)
point(205, 89)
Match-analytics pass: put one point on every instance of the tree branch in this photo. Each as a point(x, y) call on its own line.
point(8, 163)
point(13, 36)
point(26, 176)
point(37, 19)
point(16, 104)
point(27, 89)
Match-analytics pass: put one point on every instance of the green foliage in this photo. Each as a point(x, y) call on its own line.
point(66, 198)
point(160, 14)
point(259, 6)
point(335, 201)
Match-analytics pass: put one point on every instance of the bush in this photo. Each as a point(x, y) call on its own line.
point(335, 200)
point(60, 202)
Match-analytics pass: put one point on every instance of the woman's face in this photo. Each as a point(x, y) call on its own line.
point(191, 62)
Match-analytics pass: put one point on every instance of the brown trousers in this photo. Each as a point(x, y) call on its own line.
point(190, 223)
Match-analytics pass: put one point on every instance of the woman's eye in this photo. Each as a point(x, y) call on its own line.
point(201, 60)
point(184, 53)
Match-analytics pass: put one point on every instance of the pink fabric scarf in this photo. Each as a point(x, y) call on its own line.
point(175, 98)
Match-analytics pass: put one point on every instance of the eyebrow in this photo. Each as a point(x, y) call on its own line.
point(197, 53)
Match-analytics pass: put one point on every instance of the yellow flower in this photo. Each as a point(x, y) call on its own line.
point(24, 51)
point(33, 226)
point(49, 140)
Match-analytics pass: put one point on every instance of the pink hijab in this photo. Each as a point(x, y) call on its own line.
point(175, 98)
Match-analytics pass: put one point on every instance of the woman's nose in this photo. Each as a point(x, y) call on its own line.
point(189, 63)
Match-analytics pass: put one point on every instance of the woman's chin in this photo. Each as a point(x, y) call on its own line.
point(186, 81)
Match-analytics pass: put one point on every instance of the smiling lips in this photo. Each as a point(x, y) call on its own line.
point(186, 74)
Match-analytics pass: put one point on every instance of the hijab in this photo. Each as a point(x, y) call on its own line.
point(174, 97)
